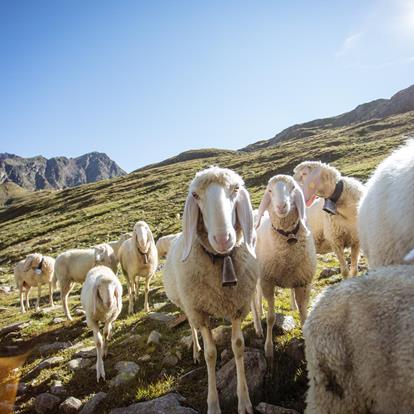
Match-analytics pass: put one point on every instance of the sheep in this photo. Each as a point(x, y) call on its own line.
point(386, 211)
point(342, 195)
point(101, 298)
point(138, 257)
point(116, 244)
point(73, 266)
point(358, 345)
point(211, 269)
point(34, 270)
point(285, 249)
point(163, 244)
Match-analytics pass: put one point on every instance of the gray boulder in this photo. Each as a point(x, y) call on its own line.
point(70, 406)
point(46, 403)
point(93, 404)
point(265, 408)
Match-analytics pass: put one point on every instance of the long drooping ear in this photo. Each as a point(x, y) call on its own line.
point(95, 296)
point(264, 205)
point(245, 216)
point(118, 298)
point(28, 263)
point(300, 204)
point(311, 183)
point(190, 218)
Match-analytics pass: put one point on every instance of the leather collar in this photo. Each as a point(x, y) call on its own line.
point(289, 234)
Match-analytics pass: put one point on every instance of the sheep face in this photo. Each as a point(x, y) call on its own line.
point(107, 293)
point(282, 195)
point(219, 196)
point(142, 236)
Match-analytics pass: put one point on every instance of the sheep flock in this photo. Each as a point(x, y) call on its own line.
point(358, 333)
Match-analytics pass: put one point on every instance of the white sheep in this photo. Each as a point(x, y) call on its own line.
point(358, 345)
point(101, 298)
point(386, 212)
point(211, 269)
point(116, 244)
point(285, 249)
point(163, 244)
point(341, 197)
point(138, 257)
point(34, 270)
point(73, 265)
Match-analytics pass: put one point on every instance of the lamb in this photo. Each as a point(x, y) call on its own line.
point(73, 266)
point(138, 257)
point(34, 270)
point(101, 298)
point(285, 249)
point(116, 244)
point(164, 243)
point(358, 345)
point(386, 212)
point(211, 269)
point(342, 195)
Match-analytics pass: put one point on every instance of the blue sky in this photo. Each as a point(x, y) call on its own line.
point(143, 81)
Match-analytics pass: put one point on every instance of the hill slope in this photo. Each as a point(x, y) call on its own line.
point(401, 102)
point(38, 173)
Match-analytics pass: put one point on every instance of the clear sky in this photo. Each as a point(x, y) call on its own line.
point(145, 80)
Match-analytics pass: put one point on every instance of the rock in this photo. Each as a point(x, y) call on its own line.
point(92, 405)
point(265, 408)
point(167, 404)
point(161, 317)
point(76, 346)
point(47, 310)
point(127, 366)
point(79, 363)
point(144, 358)
point(79, 312)
point(47, 363)
point(154, 338)
point(21, 388)
point(226, 356)
point(58, 320)
point(295, 349)
point(133, 339)
point(329, 271)
point(222, 335)
point(70, 406)
point(58, 389)
point(191, 374)
point(158, 306)
point(47, 349)
point(86, 352)
point(170, 360)
point(5, 289)
point(255, 367)
point(18, 326)
point(46, 403)
point(187, 341)
point(285, 322)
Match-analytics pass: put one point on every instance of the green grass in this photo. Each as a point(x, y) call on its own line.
point(53, 221)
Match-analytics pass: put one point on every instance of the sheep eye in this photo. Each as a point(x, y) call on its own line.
point(270, 190)
point(195, 195)
point(236, 188)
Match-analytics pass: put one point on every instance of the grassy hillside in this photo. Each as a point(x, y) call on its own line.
point(50, 222)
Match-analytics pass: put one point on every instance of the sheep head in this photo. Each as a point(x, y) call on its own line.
point(106, 291)
point(317, 179)
point(143, 237)
point(32, 262)
point(282, 195)
point(104, 254)
point(219, 196)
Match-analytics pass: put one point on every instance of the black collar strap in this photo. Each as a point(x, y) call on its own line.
point(144, 255)
point(330, 203)
point(290, 234)
point(39, 266)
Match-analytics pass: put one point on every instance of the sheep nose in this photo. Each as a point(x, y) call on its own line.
point(282, 206)
point(222, 240)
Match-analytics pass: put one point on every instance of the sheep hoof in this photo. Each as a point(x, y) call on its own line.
point(245, 407)
point(214, 408)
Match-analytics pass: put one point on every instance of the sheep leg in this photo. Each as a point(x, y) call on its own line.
point(99, 343)
point(147, 282)
point(22, 309)
point(302, 296)
point(196, 345)
point(210, 355)
point(39, 294)
point(237, 345)
point(270, 298)
point(131, 297)
point(136, 288)
point(107, 334)
point(27, 297)
point(255, 307)
point(64, 293)
point(339, 251)
point(354, 259)
point(51, 294)
point(293, 304)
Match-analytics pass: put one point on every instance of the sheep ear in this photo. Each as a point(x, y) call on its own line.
point(311, 183)
point(409, 257)
point(28, 263)
point(264, 205)
point(94, 296)
point(245, 215)
point(118, 299)
point(300, 205)
point(190, 218)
